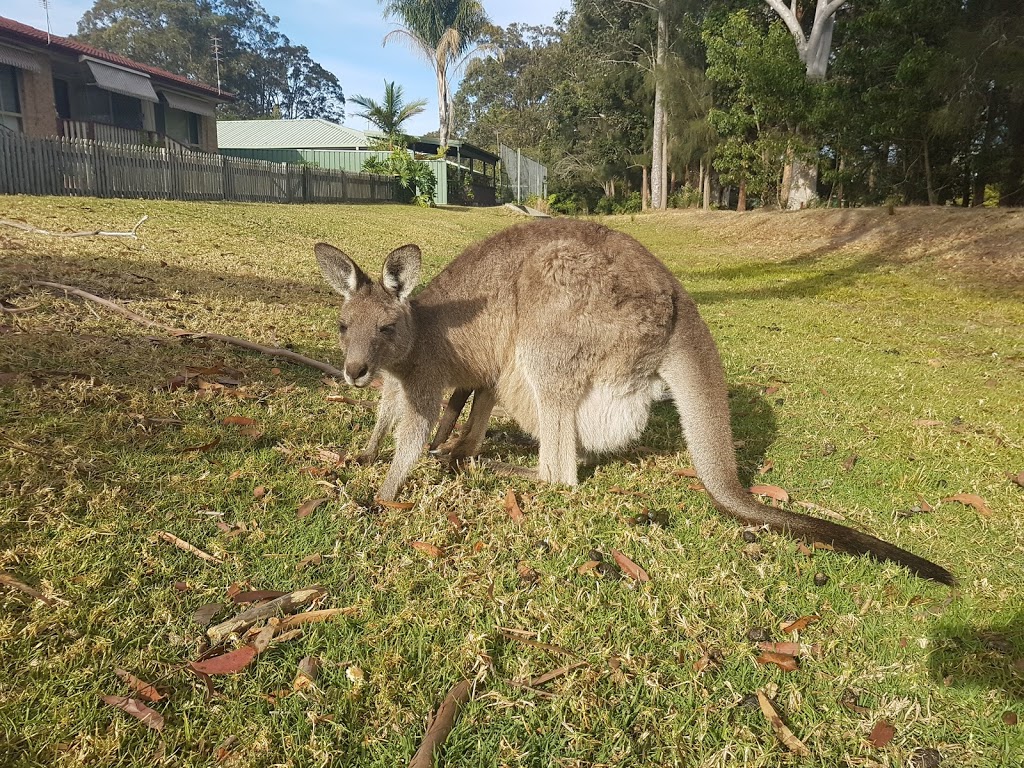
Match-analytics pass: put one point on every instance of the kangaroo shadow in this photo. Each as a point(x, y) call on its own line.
point(988, 657)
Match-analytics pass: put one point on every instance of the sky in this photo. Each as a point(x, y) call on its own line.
point(344, 36)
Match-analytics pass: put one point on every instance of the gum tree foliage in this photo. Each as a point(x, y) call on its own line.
point(268, 74)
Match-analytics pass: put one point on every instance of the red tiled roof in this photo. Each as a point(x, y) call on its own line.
point(12, 29)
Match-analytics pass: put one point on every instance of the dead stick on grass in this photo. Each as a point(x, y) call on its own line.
point(183, 545)
point(287, 354)
point(279, 606)
point(316, 617)
point(441, 725)
point(133, 233)
point(10, 581)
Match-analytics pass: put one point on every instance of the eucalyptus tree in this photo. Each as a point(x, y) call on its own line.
point(444, 32)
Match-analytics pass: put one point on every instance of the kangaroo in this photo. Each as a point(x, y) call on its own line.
point(573, 328)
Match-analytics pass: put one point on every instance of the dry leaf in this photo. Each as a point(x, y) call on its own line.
point(261, 642)
point(630, 568)
point(783, 661)
point(202, 448)
point(512, 506)
point(765, 468)
point(1017, 479)
point(226, 664)
point(136, 709)
point(549, 676)
point(972, 500)
point(309, 506)
point(772, 491)
point(400, 505)
point(927, 423)
point(259, 491)
point(331, 457)
point(252, 432)
point(786, 736)
point(789, 649)
point(850, 461)
point(306, 562)
point(145, 690)
point(204, 615)
point(456, 522)
point(881, 734)
point(427, 549)
point(240, 421)
point(527, 575)
point(588, 566)
point(256, 596)
point(800, 624)
point(1010, 718)
point(685, 472)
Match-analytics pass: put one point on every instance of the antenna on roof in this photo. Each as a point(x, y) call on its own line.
point(216, 57)
point(46, 8)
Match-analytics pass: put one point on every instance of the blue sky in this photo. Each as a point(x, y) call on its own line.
point(344, 36)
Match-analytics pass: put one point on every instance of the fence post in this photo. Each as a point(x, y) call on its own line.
point(307, 184)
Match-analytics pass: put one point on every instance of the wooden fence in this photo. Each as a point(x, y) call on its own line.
point(59, 166)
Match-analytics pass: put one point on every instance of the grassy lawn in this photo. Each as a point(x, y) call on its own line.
point(877, 368)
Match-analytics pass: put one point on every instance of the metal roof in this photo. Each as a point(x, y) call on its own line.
point(312, 133)
point(40, 40)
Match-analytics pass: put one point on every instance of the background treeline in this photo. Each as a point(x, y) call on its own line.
point(923, 102)
point(269, 75)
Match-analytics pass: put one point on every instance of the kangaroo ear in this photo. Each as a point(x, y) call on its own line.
point(341, 273)
point(401, 271)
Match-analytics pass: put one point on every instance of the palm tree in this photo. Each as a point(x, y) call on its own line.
point(390, 114)
point(446, 33)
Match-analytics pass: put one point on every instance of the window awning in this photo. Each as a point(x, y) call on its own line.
point(120, 80)
point(188, 103)
point(16, 57)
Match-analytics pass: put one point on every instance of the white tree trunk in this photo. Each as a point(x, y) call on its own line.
point(814, 50)
point(658, 159)
point(443, 110)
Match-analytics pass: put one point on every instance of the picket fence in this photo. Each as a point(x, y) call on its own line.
point(83, 167)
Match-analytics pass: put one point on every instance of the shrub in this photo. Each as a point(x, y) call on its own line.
point(416, 180)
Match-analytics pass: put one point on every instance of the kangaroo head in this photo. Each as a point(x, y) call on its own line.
point(376, 325)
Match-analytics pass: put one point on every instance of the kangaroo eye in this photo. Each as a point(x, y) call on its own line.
point(342, 327)
point(388, 330)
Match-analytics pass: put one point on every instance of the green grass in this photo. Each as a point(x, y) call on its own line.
point(855, 338)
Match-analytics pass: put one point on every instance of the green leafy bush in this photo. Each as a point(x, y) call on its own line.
point(416, 180)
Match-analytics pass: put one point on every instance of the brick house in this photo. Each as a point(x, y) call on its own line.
point(54, 86)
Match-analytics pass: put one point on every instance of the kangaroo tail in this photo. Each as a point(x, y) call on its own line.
point(693, 371)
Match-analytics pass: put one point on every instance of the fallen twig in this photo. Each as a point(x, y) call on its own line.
point(13, 309)
point(547, 677)
point(519, 637)
point(441, 725)
point(183, 545)
point(276, 607)
point(132, 233)
point(10, 581)
point(287, 354)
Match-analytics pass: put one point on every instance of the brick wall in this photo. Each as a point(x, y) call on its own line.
point(39, 115)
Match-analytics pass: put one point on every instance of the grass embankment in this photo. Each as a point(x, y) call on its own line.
point(896, 340)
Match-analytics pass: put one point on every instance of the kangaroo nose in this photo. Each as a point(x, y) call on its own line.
point(356, 372)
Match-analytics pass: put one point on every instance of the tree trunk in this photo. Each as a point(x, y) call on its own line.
point(741, 202)
point(803, 188)
point(443, 112)
point(658, 140)
point(664, 163)
point(1011, 183)
point(932, 197)
point(645, 191)
point(707, 189)
point(787, 178)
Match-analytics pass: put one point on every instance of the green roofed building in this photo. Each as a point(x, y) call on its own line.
point(465, 176)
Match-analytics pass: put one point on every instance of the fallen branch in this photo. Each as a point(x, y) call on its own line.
point(441, 725)
point(520, 636)
point(10, 581)
point(276, 607)
point(12, 309)
point(287, 354)
point(183, 545)
point(133, 233)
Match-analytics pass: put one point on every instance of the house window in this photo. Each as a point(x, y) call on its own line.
point(10, 102)
point(182, 126)
point(112, 108)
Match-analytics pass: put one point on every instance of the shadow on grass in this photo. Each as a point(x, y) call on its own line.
point(988, 657)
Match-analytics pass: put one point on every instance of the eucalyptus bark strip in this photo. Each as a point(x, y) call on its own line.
point(441, 725)
point(277, 607)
